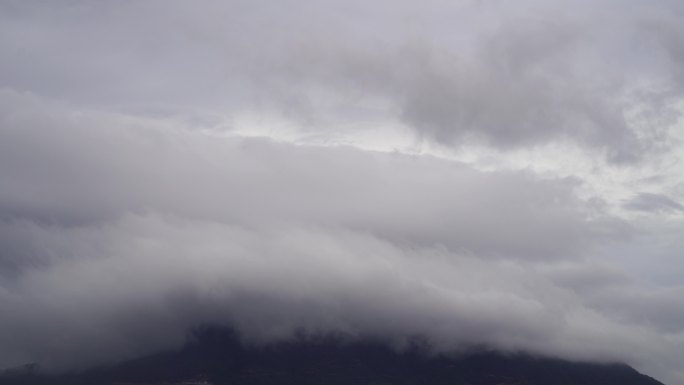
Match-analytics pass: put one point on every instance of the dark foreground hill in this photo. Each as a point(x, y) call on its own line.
point(217, 357)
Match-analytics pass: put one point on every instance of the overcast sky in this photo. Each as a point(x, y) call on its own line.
point(499, 173)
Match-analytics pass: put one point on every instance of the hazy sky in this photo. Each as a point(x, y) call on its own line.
point(500, 173)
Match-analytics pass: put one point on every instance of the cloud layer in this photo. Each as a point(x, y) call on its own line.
point(509, 75)
point(136, 204)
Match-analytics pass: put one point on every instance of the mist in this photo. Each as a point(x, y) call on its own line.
point(478, 173)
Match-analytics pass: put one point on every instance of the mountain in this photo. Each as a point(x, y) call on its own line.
point(216, 356)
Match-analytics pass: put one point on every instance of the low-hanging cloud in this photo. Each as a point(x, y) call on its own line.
point(119, 234)
point(131, 211)
point(149, 278)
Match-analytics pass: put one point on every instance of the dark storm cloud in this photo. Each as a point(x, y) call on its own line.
point(650, 202)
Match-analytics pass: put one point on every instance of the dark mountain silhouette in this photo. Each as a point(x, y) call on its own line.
point(216, 356)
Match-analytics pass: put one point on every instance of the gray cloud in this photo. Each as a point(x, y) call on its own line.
point(651, 202)
point(118, 234)
point(164, 274)
point(129, 210)
point(507, 75)
point(90, 173)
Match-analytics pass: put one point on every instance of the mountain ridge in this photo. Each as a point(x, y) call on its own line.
point(217, 356)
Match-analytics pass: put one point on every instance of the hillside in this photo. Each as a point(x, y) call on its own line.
point(217, 357)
